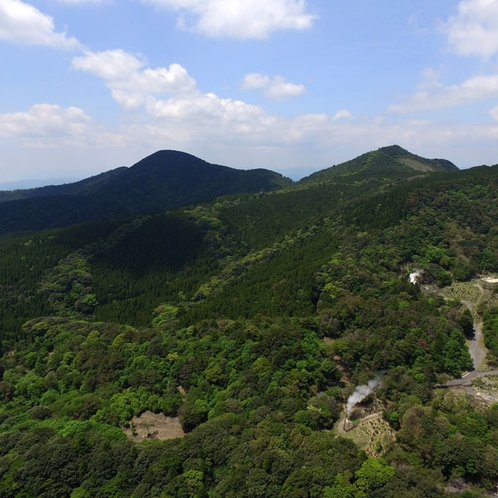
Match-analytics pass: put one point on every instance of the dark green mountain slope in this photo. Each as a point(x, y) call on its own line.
point(170, 179)
point(164, 180)
point(270, 217)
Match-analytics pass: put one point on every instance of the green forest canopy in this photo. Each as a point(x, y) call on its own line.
point(252, 318)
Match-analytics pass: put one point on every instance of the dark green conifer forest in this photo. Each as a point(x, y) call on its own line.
point(247, 321)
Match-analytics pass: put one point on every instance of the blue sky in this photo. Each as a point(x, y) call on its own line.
point(290, 85)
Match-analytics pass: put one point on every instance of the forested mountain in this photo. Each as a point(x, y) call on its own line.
point(164, 180)
point(301, 337)
point(387, 163)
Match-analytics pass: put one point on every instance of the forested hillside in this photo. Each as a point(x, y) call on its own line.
point(251, 320)
point(164, 180)
point(387, 163)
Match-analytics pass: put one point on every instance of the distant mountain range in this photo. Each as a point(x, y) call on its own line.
point(171, 179)
point(32, 183)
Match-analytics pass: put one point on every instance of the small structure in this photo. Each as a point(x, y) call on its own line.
point(348, 424)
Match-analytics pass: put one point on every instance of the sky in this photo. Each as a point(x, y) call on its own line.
point(294, 86)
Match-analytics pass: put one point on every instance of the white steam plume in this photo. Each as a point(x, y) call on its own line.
point(361, 392)
point(415, 276)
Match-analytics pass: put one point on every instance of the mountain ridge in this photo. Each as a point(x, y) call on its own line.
point(158, 163)
point(393, 160)
point(169, 179)
point(164, 180)
point(178, 158)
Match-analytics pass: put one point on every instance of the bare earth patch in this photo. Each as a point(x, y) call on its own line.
point(154, 426)
point(416, 165)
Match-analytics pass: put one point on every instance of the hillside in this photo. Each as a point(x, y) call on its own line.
point(251, 325)
point(392, 162)
point(161, 181)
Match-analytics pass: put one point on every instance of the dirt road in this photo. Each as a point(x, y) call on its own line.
point(477, 349)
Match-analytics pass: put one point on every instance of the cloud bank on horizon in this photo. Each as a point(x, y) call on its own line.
point(289, 85)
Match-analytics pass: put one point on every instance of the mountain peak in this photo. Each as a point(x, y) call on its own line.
point(392, 162)
point(169, 164)
point(169, 157)
point(415, 162)
point(167, 179)
point(394, 150)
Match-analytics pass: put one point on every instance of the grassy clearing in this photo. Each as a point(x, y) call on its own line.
point(474, 294)
point(372, 433)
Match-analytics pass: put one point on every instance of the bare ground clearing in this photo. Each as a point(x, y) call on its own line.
point(154, 426)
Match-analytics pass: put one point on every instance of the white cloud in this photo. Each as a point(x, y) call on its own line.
point(130, 85)
point(432, 73)
point(275, 88)
point(494, 113)
point(342, 114)
point(169, 94)
point(109, 65)
point(435, 95)
point(256, 139)
point(279, 89)
point(178, 115)
point(234, 133)
point(174, 106)
point(255, 80)
point(473, 30)
point(206, 117)
point(44, 121)
point(81, 2)
point(172, 94)
point(240, 18)
point(22, 23)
